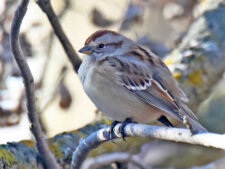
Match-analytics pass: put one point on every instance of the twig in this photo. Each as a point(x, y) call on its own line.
point(133, 129)
point(106, 159)
point(45, 67)
point(68, 48)
point(49, 47)
point(42, 146)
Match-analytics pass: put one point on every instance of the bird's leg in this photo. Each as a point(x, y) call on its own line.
point(112, 126)
point(165, 121)
point(123, 125)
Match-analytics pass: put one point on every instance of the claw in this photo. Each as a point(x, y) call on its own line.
point(123, 125)
point(111, 132)
point(121, 129)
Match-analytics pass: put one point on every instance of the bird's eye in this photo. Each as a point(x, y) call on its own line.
point(101, 45)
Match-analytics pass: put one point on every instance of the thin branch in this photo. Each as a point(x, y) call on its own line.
point(142, 130)
point(67, 46)
point(47, 156)
point(106, 159)
point(49, 47)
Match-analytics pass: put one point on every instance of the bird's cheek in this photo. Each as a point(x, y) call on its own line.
point(99, 56)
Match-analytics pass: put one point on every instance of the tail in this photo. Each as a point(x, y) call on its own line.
point(195, 126)
point(190, 120)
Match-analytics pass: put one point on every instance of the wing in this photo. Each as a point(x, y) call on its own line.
point(147, 84)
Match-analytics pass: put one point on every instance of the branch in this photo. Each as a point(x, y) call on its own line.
point(106, 159)
point(67, 46)
point(133, 129)
point(47, 157)
point(24, 153)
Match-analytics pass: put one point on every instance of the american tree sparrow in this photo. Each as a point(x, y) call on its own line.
point(124, 80)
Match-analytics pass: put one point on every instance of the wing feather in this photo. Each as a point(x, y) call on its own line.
point(136, 76)
point(147, 77)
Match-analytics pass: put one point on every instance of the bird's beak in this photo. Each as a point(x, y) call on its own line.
point(86, 50)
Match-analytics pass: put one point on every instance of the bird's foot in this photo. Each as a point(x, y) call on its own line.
point(123, 125)
point(121, 129)
point(111, 132)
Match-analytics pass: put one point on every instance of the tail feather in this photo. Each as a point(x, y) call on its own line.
point(190, 119)
point(195, 126)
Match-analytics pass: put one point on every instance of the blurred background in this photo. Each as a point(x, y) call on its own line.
point(156, 24)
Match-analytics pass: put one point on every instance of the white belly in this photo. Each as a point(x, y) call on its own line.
point(116, 102)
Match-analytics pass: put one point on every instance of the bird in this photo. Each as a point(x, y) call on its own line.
point(130, 83)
